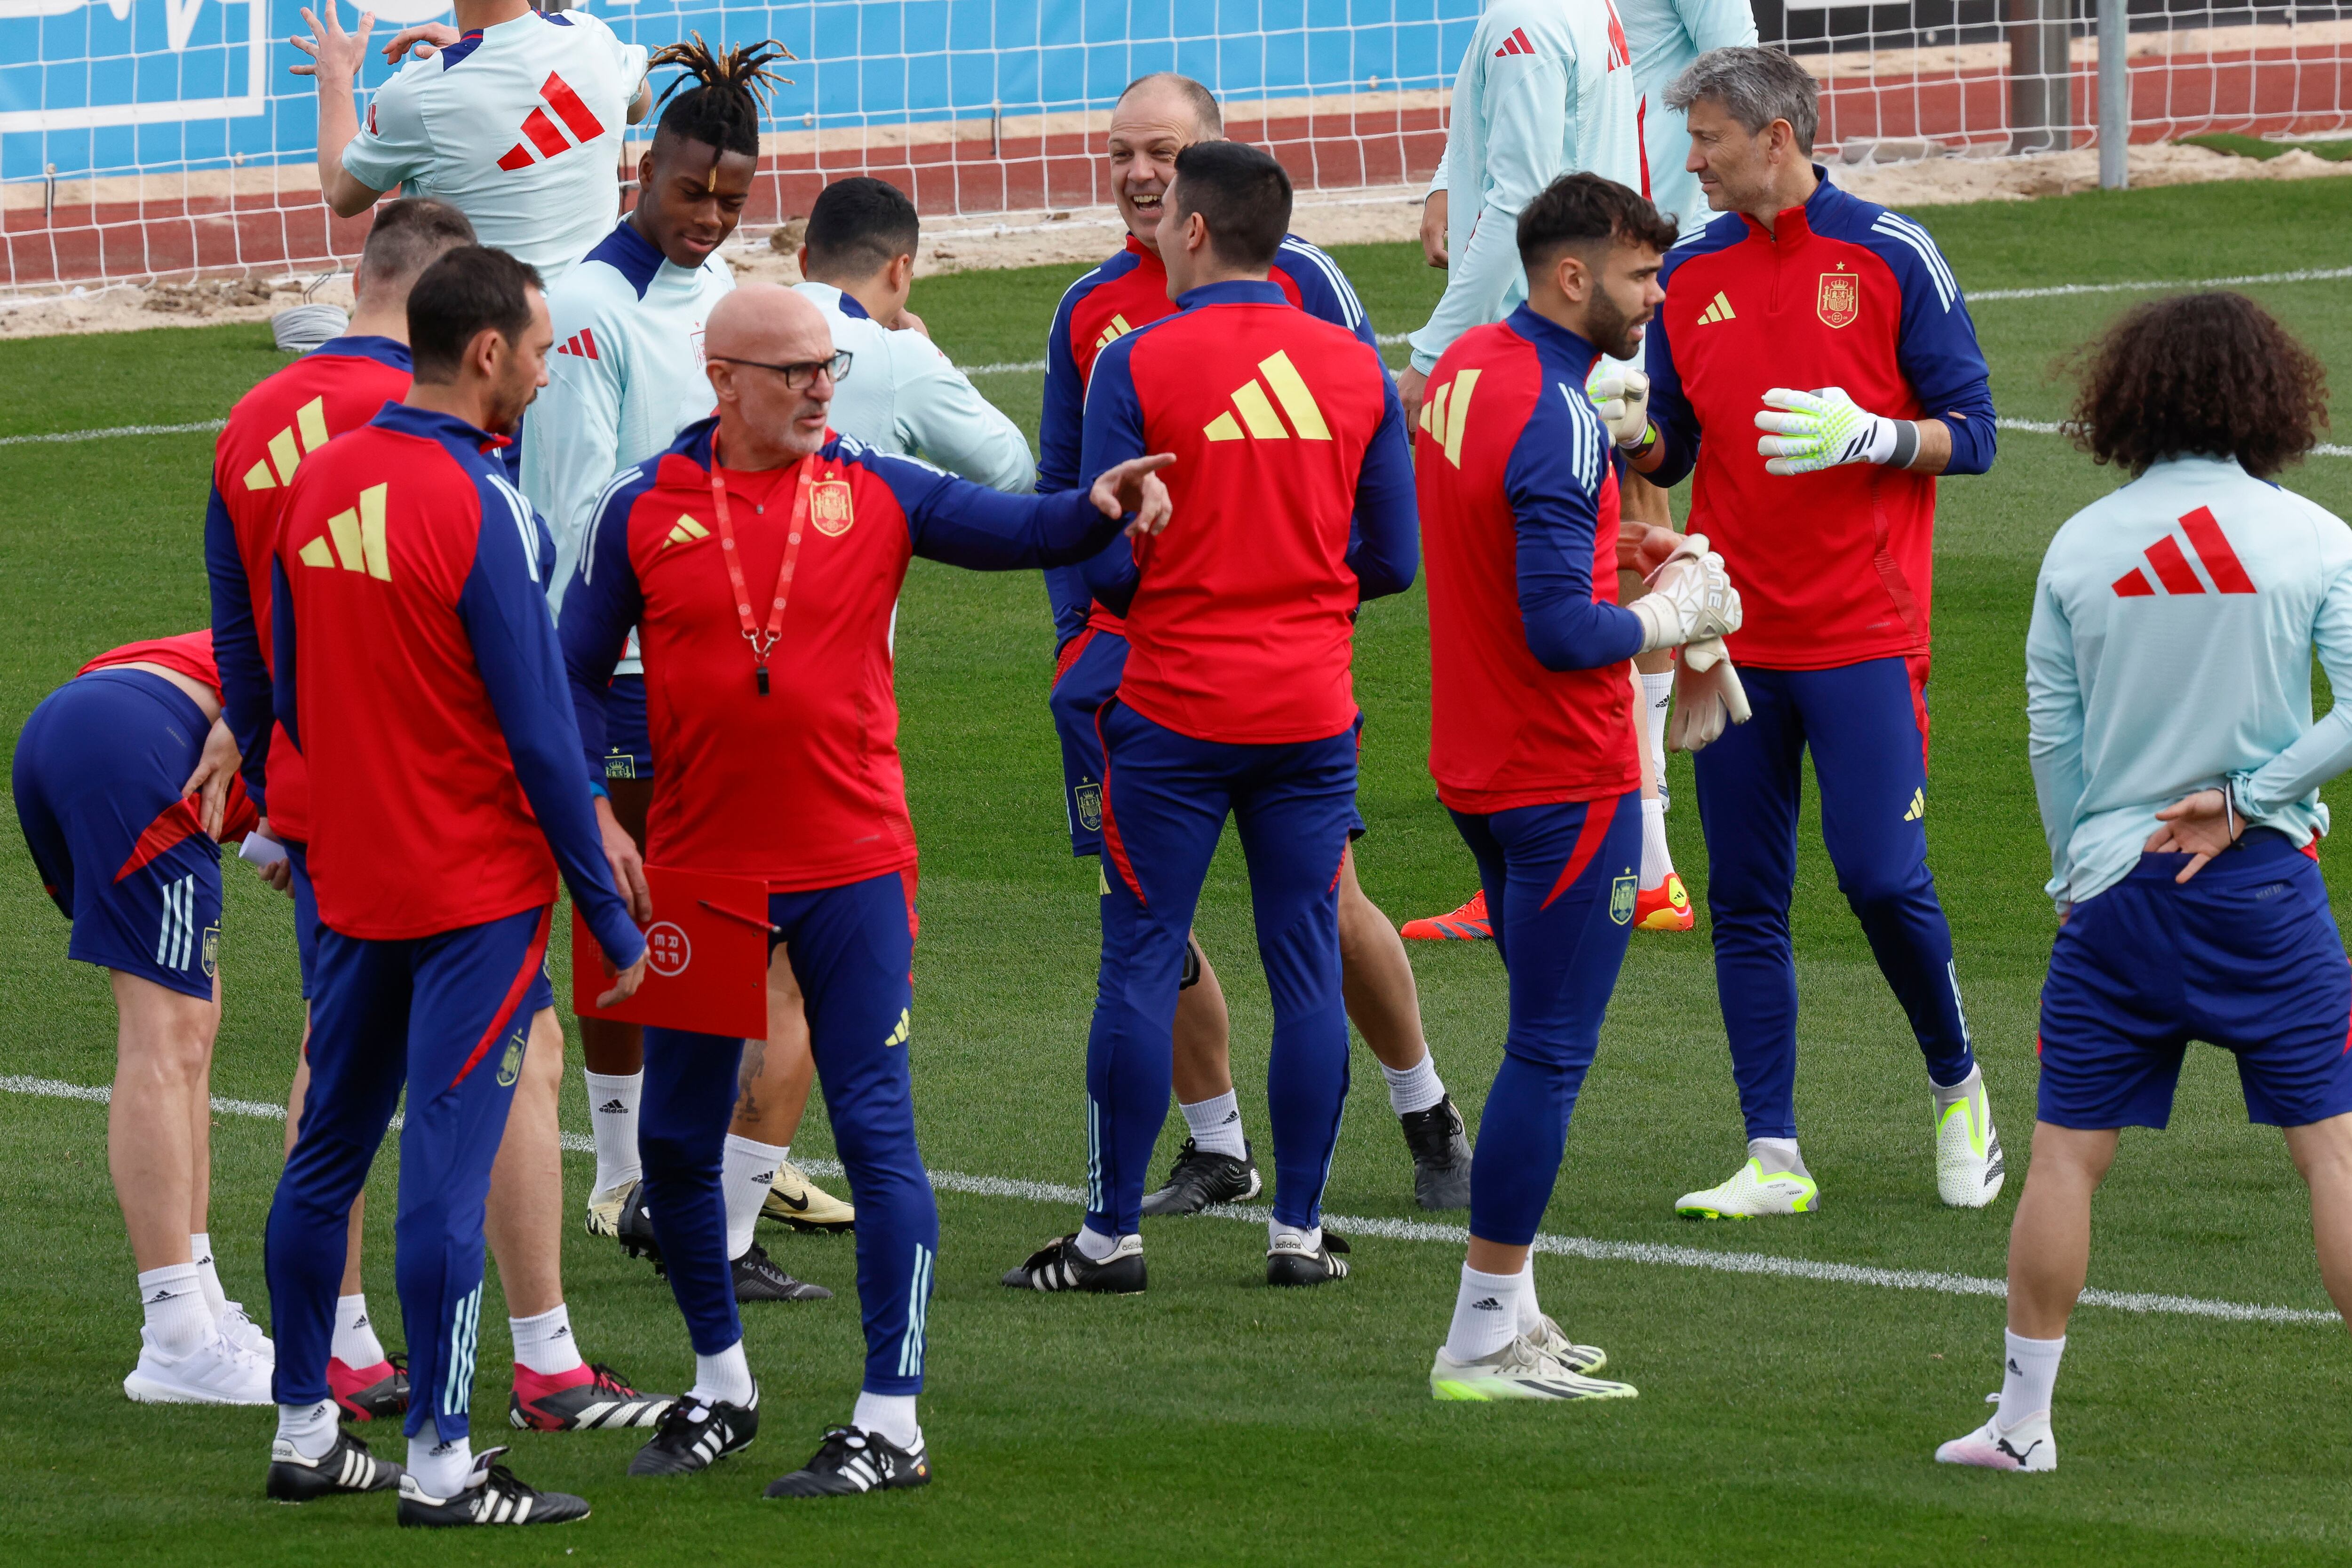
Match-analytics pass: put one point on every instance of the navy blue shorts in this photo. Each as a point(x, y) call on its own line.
point(2246, 956)
point(1087, 676)
point(97, 777)
point(628, 748)
point(539, 994)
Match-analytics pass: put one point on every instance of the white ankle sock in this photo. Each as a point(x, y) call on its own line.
point(178, 1321)
point(1276, 1231)
point(1774, 1155)
point(355, 1345)
point(200, 1248)
point(748, 1171)
point(545, 1343)
point(1094, 1246)
point(441, 1468)
point(1485, 1314)
point(2027, 1375)
point(890, 1416)
point(1530, 1314)
point(1216, 1125)
point(613, 1122)
point(1414, 1088)
point(1657, 692)
point(309, 1427)
point(1657, 860)
point(724, 1378)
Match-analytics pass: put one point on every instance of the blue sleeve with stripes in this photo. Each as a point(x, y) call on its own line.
point(1553, 481)
point(1937, 349)
point(602, 600)
point(1061, 428)
point(1324, 291)
point(1114, 434)
point(237, 650)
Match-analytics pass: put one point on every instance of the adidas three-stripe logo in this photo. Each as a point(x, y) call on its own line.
point(1584, 452)
point(1445, 412)
point(919, 1312)
point(1258, 414)
point(358, 535)
point(1718, 310)
point(539, 131)
point(2209, 546)
point(1112, 334)
point(581, 343)
point(177, 942)
point(685, 532)
point(1516, 43)
point(311, 424)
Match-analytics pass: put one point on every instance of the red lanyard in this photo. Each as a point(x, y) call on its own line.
point(763, 642)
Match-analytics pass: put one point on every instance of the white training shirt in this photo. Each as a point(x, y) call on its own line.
point(517, 126)
point(625, 374)
point(1666, 37)
point(902, 396)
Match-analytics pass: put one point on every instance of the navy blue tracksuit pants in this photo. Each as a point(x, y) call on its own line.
point(1866, 725)
point(851, 949)
point(1165, 800)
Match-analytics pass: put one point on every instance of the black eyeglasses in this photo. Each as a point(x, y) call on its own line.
point(800, 373)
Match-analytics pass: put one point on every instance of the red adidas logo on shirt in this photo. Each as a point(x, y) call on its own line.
point(1516, 43)
point(2171, 563)
point(1620, 54)
point(583, 343)
point(539, 131)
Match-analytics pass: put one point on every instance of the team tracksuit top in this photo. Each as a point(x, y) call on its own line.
point(1293, 495)
point(1833, 567)
point(802, 787)
point(416, 666)
point(336, 387)
point(1129, 291)
point(1527, 646)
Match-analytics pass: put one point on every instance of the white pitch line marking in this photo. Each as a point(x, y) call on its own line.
point(1652, 1253)
point(112, 430)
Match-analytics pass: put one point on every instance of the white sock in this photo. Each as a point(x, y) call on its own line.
point(1657, 694)
point(441, 1468)
point(1094, 1246)
point(747, 1172)
point(1276, 1231)
point(1530, 1314)
point(309, 1427)
point(200, 1248)
point(1414, 1088)
point(178, 1321)
point(1657, 860)
point(724, 1378)
point(2028, 1377)
point(545, 1343)
point(890, 1416)
point(1485, 1314)
point(355, 1345)
point(1216, 1125)
point(1775, 1156)
point(612, 1120)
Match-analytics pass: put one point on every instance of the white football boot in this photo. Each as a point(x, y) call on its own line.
point(245, 1335)
point(1584, 1360)
point(1970, 1169)
point(1517, 1370)
point(215, 1372)
point(605, 1207)
point(1752, 1195)
point(2027, 1446)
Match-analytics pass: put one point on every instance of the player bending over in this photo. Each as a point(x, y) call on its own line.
point(125, 780)
point(415, 665)
point(1156, 119)
point(2168, 675)
point(1533, 748)
point(1295, 485)
point(1827, 522)
point(785, 766)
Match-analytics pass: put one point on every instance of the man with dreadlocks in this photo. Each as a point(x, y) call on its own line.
point(625, 373)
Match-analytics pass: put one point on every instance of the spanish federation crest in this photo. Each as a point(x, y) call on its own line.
point(1839, 300)
point(1620, 899)
point(212, 952)
point(829, 508)
point(511, 1065)
point(1089, 800)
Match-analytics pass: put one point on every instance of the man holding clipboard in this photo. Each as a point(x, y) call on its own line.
point(759, 558)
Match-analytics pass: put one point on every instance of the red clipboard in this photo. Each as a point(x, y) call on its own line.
point(706, 958)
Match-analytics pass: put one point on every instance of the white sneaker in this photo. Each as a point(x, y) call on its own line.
point(1970, 1169)
point(1517, 1370)
point(215, 1372)
point(1752, 1195)
point(2027, 1446)
point(245, 1335)
point(1583, 1360)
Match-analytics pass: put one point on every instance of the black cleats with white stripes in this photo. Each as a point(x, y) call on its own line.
point(491, 1495)
point(1198, 1179)
point(695, 1435)
point(1441, 1155)
point(1288, 1262)
point(636, 1227)
point(853, 1462)
point(348, 1467)
point(1060, 1266)
point(757, 1279)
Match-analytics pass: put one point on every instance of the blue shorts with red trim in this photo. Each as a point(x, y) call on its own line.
point(97, 777)
point(628, 745)
point(2245, 955)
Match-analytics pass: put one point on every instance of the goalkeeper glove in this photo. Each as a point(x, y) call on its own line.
point(1708, 696)
point(1690, 597)
point(1621, 396)
point(1816, 430)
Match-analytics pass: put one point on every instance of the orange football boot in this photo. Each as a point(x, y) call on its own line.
point(1665, 907)
point(1467, 924)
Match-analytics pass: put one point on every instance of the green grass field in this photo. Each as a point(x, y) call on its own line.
point(1783, 1420)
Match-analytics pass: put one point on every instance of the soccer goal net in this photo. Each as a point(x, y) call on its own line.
point(146, 139)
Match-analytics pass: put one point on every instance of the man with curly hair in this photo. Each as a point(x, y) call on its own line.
point(2168, 693)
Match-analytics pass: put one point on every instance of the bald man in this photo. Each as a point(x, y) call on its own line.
point(760, 560)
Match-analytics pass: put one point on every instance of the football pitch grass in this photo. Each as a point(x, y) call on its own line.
point(1783, 1417)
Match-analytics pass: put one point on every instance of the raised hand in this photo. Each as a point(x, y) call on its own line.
point(1134, 486)
point(334, 53)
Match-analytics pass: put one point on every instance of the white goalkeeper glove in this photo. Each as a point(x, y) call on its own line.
point(1811, 431)
point(1708, 696)
point(1621, 396)
point(1690, 597)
